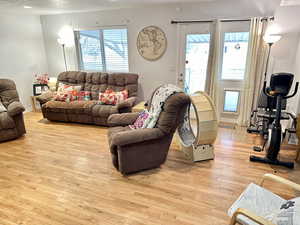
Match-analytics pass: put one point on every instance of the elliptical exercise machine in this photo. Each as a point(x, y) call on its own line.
point(280, 85)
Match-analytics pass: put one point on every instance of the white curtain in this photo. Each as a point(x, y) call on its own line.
point(213, 66)
point(256, 61)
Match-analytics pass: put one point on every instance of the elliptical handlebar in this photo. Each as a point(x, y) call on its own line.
point(265, 90)
point(295, 91)
point(285, 97)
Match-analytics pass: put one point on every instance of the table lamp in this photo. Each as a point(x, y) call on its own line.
point(52, 83)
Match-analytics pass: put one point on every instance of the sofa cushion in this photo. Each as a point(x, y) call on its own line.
point(6, 122)
point(8, 92)
point(99, 82)
point(104, 110)
point(72, 78)
point(75, 107)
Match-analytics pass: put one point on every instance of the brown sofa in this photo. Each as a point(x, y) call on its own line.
point(140, 149)
point(90, 112)
point(11, 118)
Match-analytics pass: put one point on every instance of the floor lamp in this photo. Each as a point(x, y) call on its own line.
point(270, 39)
point(63, 44)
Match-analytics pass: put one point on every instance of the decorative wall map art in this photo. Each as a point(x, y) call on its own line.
point(151, 43)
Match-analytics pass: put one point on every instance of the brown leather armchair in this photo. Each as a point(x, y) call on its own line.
point(140, 149)
point(11, 118)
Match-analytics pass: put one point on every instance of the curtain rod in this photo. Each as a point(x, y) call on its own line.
point(222, 20)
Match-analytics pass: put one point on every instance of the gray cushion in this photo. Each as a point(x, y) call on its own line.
point(257, 200)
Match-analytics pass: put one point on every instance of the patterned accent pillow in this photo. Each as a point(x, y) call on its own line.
point(84, 96)
point(67, 93)
point(107, 98)
point(66, 87)
point(74, 95)
point(141, 120)
point(2, 107)
point(110, 97)
point(62, 97)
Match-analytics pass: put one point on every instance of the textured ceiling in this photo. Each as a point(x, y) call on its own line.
point(68, 6)
point(290, 2)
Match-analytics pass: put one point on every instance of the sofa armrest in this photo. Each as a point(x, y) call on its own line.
point(45, 97)
point(136, 136)
point(128, 103)
point(122, 119)
point(15, 108)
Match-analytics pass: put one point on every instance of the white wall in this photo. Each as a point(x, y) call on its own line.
point(285, 54)
point(22, 52)
point(155, 73)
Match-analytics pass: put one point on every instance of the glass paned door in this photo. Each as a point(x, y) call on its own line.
point(194, 56)
point(196, 60)
point(234, 55)
point(232, 68)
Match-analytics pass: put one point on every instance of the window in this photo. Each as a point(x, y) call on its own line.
point(234, 55)
point(102, 50)
point(197, 52)
point(231, 101)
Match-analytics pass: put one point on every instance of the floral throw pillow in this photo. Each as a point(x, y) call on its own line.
point(73, 96)
point(110, 97)
point(141, 120)
point(62, 97)
point(67, 93)
point(84, 96)
point(121, 96)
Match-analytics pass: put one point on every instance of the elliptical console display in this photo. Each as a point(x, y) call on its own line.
point(280, 85)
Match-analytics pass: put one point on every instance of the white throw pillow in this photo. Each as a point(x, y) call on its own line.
point(288, 214)
point(63, 88)
point(2, 107)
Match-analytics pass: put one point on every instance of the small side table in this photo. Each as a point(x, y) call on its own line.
point(33, 104)
point(139, 107)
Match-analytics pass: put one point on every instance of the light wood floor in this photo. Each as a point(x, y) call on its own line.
point(61, 174)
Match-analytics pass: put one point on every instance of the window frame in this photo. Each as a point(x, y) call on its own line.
point(222, 39)
point(100, 30)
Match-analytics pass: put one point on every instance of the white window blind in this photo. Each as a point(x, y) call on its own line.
point(103, 50)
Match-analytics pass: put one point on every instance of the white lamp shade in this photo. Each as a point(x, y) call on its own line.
point(52, 83)
point(53, 80)
point(60, 41)
point(66, 36)
point(271, 38)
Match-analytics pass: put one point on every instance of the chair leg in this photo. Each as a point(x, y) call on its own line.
point(233, 220)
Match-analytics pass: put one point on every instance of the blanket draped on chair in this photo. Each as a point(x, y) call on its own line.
point(159, 97)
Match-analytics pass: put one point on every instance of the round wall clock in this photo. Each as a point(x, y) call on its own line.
point(151, 43)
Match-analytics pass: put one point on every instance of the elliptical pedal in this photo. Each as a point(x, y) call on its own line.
point(257, 149)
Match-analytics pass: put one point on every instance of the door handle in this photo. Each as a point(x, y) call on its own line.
point(180, 77)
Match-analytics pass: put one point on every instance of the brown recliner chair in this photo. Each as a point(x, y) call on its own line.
point(11, 118)
point(140, 149)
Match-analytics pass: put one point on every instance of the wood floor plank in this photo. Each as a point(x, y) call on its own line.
point(61, 174)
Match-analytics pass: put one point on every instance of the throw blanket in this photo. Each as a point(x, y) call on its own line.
point(158, 100)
